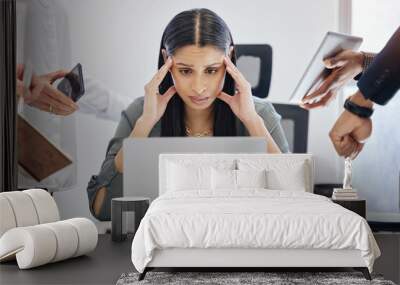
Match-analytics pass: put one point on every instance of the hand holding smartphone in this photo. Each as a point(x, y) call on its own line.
point(72, 85)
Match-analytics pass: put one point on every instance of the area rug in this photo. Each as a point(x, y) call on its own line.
point(244, 278)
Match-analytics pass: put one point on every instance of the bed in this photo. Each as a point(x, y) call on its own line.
point(247, 210)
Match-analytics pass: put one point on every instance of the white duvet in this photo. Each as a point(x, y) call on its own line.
point(251, 218)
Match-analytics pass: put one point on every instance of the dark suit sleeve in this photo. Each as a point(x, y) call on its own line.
point(380, 82)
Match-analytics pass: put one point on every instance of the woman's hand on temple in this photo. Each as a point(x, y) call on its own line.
point(241, 103)
point(345, 66)
point(153, 108)
point(155, 103)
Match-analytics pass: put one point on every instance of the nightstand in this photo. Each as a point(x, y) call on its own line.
point(358, 206)
point(138, 205)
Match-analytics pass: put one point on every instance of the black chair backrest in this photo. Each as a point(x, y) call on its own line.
point(294, 118)
point(263, 54)
point(295, 125)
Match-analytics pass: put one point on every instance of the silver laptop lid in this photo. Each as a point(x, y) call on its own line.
point(141, 157)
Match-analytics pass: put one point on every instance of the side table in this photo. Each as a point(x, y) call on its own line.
point(358, 206)
point(139, 205)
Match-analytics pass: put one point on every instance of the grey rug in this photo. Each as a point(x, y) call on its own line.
point(229, 278)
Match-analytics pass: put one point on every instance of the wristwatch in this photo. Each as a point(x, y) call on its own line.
point(362, 112)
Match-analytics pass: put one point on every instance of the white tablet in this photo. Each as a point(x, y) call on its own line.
point(316, 71)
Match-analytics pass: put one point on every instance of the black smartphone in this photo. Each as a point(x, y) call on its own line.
point(72, 84)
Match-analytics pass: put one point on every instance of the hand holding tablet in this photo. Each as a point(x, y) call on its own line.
point(321, 79)
point(344, 66)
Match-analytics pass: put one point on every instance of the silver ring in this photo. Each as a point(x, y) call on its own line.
point(50, 108)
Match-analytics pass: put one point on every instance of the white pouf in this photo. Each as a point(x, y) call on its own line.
point(23, 208)
point(46, 207)
point(41, 244)
point(87, 234)
point(66, 237)
point(7, 216)
point(33, 246)
point(31, 232)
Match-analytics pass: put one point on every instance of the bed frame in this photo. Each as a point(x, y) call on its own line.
point(244, 259)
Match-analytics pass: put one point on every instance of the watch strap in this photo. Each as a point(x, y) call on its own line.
point(355, 109)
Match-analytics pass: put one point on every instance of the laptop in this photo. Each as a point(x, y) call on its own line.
point(141, 157)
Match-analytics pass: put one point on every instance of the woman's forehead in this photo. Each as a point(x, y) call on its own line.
point(195, 56)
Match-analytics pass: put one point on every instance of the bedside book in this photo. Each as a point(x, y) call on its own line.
point(344, 198)
point(344, 194)
point(340, 190)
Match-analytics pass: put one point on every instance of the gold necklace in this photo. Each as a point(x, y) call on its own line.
point(201, 134)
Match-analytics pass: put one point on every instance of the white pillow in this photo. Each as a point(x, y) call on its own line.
point(181, 177)
point(251, 178)
point(294, 179)
point(282, 174)
point(237, 179)
point(223, 179)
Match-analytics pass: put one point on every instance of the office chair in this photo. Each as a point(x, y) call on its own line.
point(255, 62)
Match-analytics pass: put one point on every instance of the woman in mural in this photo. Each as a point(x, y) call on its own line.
point(197, 91)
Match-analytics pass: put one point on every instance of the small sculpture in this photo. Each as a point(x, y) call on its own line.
point(347, 174)
point(347, 192)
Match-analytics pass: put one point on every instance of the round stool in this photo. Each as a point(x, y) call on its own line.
point(138, 205)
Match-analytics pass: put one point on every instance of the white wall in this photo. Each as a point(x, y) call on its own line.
point(375, 21)
point(117, 42)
